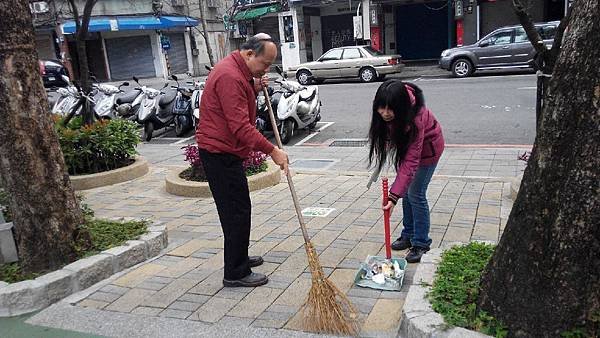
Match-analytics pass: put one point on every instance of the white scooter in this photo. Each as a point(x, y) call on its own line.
point(69, 96)
point(106, 101)
point(156, 108)
point(299, 107)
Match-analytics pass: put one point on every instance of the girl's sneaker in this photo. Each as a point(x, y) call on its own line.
point(415, 254)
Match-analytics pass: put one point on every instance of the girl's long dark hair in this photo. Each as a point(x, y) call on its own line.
point(399, 133)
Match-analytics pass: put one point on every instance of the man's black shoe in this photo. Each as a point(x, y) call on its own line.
point(415, 254)
point(255, 261)
point(253, 279)
point(401, 244)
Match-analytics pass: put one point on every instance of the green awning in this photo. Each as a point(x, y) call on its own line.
point(253, 13)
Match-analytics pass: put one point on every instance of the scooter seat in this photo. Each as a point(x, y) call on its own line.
point(308, 94)
point(127, 97)
point(166, 99)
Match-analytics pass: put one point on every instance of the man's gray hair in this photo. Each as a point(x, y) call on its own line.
point(257, 43)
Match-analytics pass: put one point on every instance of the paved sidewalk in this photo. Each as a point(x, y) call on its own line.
point(181, 291)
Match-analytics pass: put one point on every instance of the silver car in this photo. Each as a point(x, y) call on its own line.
point(363, 62)
point(505, 48)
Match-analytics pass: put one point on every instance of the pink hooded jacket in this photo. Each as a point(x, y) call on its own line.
point(425, 150)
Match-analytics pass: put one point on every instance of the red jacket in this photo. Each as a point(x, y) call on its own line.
point(228, 111)
point(425, 150)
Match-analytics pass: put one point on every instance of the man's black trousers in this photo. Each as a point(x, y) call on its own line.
point(229, 187)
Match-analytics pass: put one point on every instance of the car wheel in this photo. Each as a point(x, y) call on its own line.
point(462, 68)
point(303, 77)
point(367, 74)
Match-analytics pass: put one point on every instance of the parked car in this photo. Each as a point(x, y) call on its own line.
point(363, 62)
point(505, 48)
point(52, 72)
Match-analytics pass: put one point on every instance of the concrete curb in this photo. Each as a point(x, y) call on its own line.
point(515, 184)
point(138, 169)
point(180, 187)
point(418, 318)
point(32, 295)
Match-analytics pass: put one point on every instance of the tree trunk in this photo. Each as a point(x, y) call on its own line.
point(544, 277)
point(45, 210)
point(205, 34)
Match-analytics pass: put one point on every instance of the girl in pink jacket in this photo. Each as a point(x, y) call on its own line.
point(406, 133)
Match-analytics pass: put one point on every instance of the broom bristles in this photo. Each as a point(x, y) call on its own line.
point(327, 309)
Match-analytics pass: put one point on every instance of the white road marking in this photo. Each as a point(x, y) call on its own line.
point(185, 139)
point(313, 134)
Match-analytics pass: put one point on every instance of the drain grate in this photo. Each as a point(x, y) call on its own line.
point(312, 164)
point(349, 143)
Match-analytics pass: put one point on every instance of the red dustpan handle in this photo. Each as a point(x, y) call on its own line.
point(386, 220)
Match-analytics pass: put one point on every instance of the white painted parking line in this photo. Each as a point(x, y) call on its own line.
point(474, 78)
point(185, 139)
point(313, 134)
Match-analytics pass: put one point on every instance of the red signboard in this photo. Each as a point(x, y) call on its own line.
point(459, 33)
point(376, 38)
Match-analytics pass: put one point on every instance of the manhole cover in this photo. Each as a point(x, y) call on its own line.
point(317, 212)
point(312, 164)
point(349, 143)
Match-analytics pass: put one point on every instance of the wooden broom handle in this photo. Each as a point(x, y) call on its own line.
point(288, 175)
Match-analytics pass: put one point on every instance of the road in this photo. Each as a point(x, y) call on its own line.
point(495, 109)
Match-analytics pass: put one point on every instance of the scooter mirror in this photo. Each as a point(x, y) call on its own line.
point(94, 78)
point(188, 73)
point(136, 79)
point(279, 71)
point(174, 77)
point(209, 68)
point(125, 84)
point(165, 86)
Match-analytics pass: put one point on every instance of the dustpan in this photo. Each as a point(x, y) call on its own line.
point(373, 265)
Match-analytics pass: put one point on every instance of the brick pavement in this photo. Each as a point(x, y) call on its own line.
point(185, 282)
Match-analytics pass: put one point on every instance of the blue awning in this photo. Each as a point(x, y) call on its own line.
point(125, 23)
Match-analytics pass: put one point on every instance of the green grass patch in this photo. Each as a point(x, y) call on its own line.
point(105, 234)
point(456, 288)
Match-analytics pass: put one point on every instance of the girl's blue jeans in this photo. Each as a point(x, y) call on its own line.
point(416, 209)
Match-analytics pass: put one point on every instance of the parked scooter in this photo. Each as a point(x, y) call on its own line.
point(106, 100)
point(182, 108)
point(263, 122)
point(197, 97)
point(298, 108)
point(156, 109)
point(69, 96)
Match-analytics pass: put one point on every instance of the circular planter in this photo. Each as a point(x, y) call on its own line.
point(137, 169)
point(177, 186)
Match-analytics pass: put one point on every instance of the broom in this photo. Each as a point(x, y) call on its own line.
point(326, 309)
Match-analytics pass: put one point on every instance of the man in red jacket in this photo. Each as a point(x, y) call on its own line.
point(226, 134)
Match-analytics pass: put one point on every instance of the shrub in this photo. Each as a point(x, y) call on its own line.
point(102, 146)
point(254, 164)
point(455, 290)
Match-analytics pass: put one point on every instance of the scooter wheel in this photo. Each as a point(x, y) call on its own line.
point(148, 130)
point(287, 131)
point(181, 125)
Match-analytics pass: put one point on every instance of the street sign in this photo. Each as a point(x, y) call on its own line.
point(165, 42)
point(458, 9)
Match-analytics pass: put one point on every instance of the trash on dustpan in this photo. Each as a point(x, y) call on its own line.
point(383, 273)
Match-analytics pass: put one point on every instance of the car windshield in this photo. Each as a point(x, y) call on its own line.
point(373, 51)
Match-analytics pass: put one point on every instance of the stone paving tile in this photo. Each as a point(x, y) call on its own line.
point(138, 275)
point(169, 293)
point(104, 296)
point(148, 311)
point(115, 289)
point(130, 300)
point(255, 303)
point(184, 306)
point(209, 286)
point(213, 310)
point(194, 298)
point(175, 313)
point(94, 304)
point(151, 285)
point(385, 317)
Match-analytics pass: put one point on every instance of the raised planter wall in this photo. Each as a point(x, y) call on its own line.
point(178, 186)
point(32, 295)
point(137, 169)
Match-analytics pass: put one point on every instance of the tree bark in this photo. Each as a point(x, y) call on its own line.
point(544, 277)
point(45, 210)
point(82, 29)
point(205, 33)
